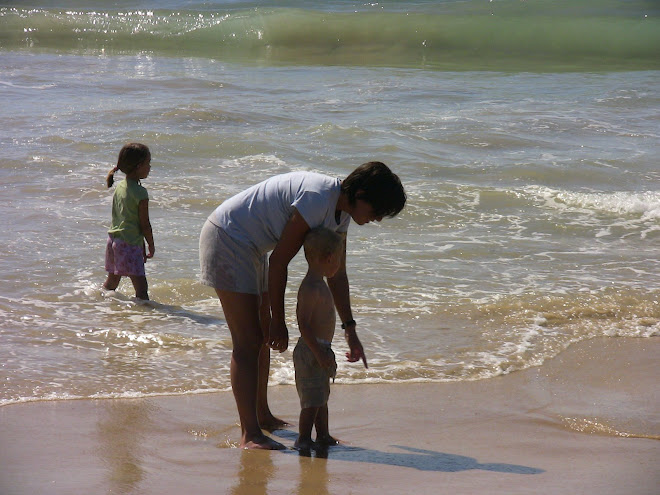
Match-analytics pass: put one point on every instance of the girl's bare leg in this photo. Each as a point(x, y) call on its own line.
point(266, 418)
point(242, 315)
point(112, 282)
point(141, 287)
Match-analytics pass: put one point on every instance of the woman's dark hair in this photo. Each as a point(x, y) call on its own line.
point(376, 184)
point(130, 157)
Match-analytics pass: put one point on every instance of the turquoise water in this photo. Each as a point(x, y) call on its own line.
point(528, 150)
point(468, 35)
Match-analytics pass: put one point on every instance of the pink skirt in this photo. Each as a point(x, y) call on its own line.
point(124, 259)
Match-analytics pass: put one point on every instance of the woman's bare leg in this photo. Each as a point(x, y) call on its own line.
point(242, 315)
point(266, 418)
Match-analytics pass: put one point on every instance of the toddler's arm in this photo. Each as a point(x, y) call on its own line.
point(308, 301)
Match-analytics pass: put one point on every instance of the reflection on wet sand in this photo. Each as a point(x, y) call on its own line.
point(313, 472)
point(255, 470)
point(120, 432)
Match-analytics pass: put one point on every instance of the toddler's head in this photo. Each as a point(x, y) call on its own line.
point(323, 247)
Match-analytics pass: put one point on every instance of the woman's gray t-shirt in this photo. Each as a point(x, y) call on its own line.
point(258, 215)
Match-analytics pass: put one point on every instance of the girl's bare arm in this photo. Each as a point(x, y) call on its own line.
point(145, 226)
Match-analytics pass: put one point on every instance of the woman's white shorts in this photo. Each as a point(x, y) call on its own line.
point(227, 264)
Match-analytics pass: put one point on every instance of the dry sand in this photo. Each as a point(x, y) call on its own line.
point(587, 422)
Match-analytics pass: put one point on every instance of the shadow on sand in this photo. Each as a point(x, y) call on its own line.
point(420, 459)
point(169, 310)
point(179, 312)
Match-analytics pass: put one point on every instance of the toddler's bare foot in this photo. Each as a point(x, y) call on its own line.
point(304, 444)
point(327, 441)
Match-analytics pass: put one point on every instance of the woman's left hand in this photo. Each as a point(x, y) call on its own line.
point(356, 351)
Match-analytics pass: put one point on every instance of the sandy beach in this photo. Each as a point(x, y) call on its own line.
point(591, 428)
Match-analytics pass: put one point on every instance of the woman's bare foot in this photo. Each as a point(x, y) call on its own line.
point(263, 443)
point(270, 423)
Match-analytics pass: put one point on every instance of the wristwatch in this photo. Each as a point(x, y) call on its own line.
point(349, 323)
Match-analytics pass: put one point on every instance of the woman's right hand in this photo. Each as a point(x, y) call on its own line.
point(286, 248)
point(278, 335)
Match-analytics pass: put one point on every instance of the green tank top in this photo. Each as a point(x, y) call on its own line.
point(125, 219)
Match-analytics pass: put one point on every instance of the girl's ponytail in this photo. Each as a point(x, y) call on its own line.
point(110, 179)
point(130, 158)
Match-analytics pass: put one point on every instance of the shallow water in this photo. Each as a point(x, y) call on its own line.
point(533, 217)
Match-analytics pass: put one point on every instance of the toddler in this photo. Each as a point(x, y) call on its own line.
point(313, 357)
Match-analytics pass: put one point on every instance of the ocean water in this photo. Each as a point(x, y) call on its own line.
point(525, 133)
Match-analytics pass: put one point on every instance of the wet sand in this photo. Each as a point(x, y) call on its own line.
point(586, 422)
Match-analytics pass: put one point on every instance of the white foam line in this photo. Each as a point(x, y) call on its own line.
point(12, 85)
